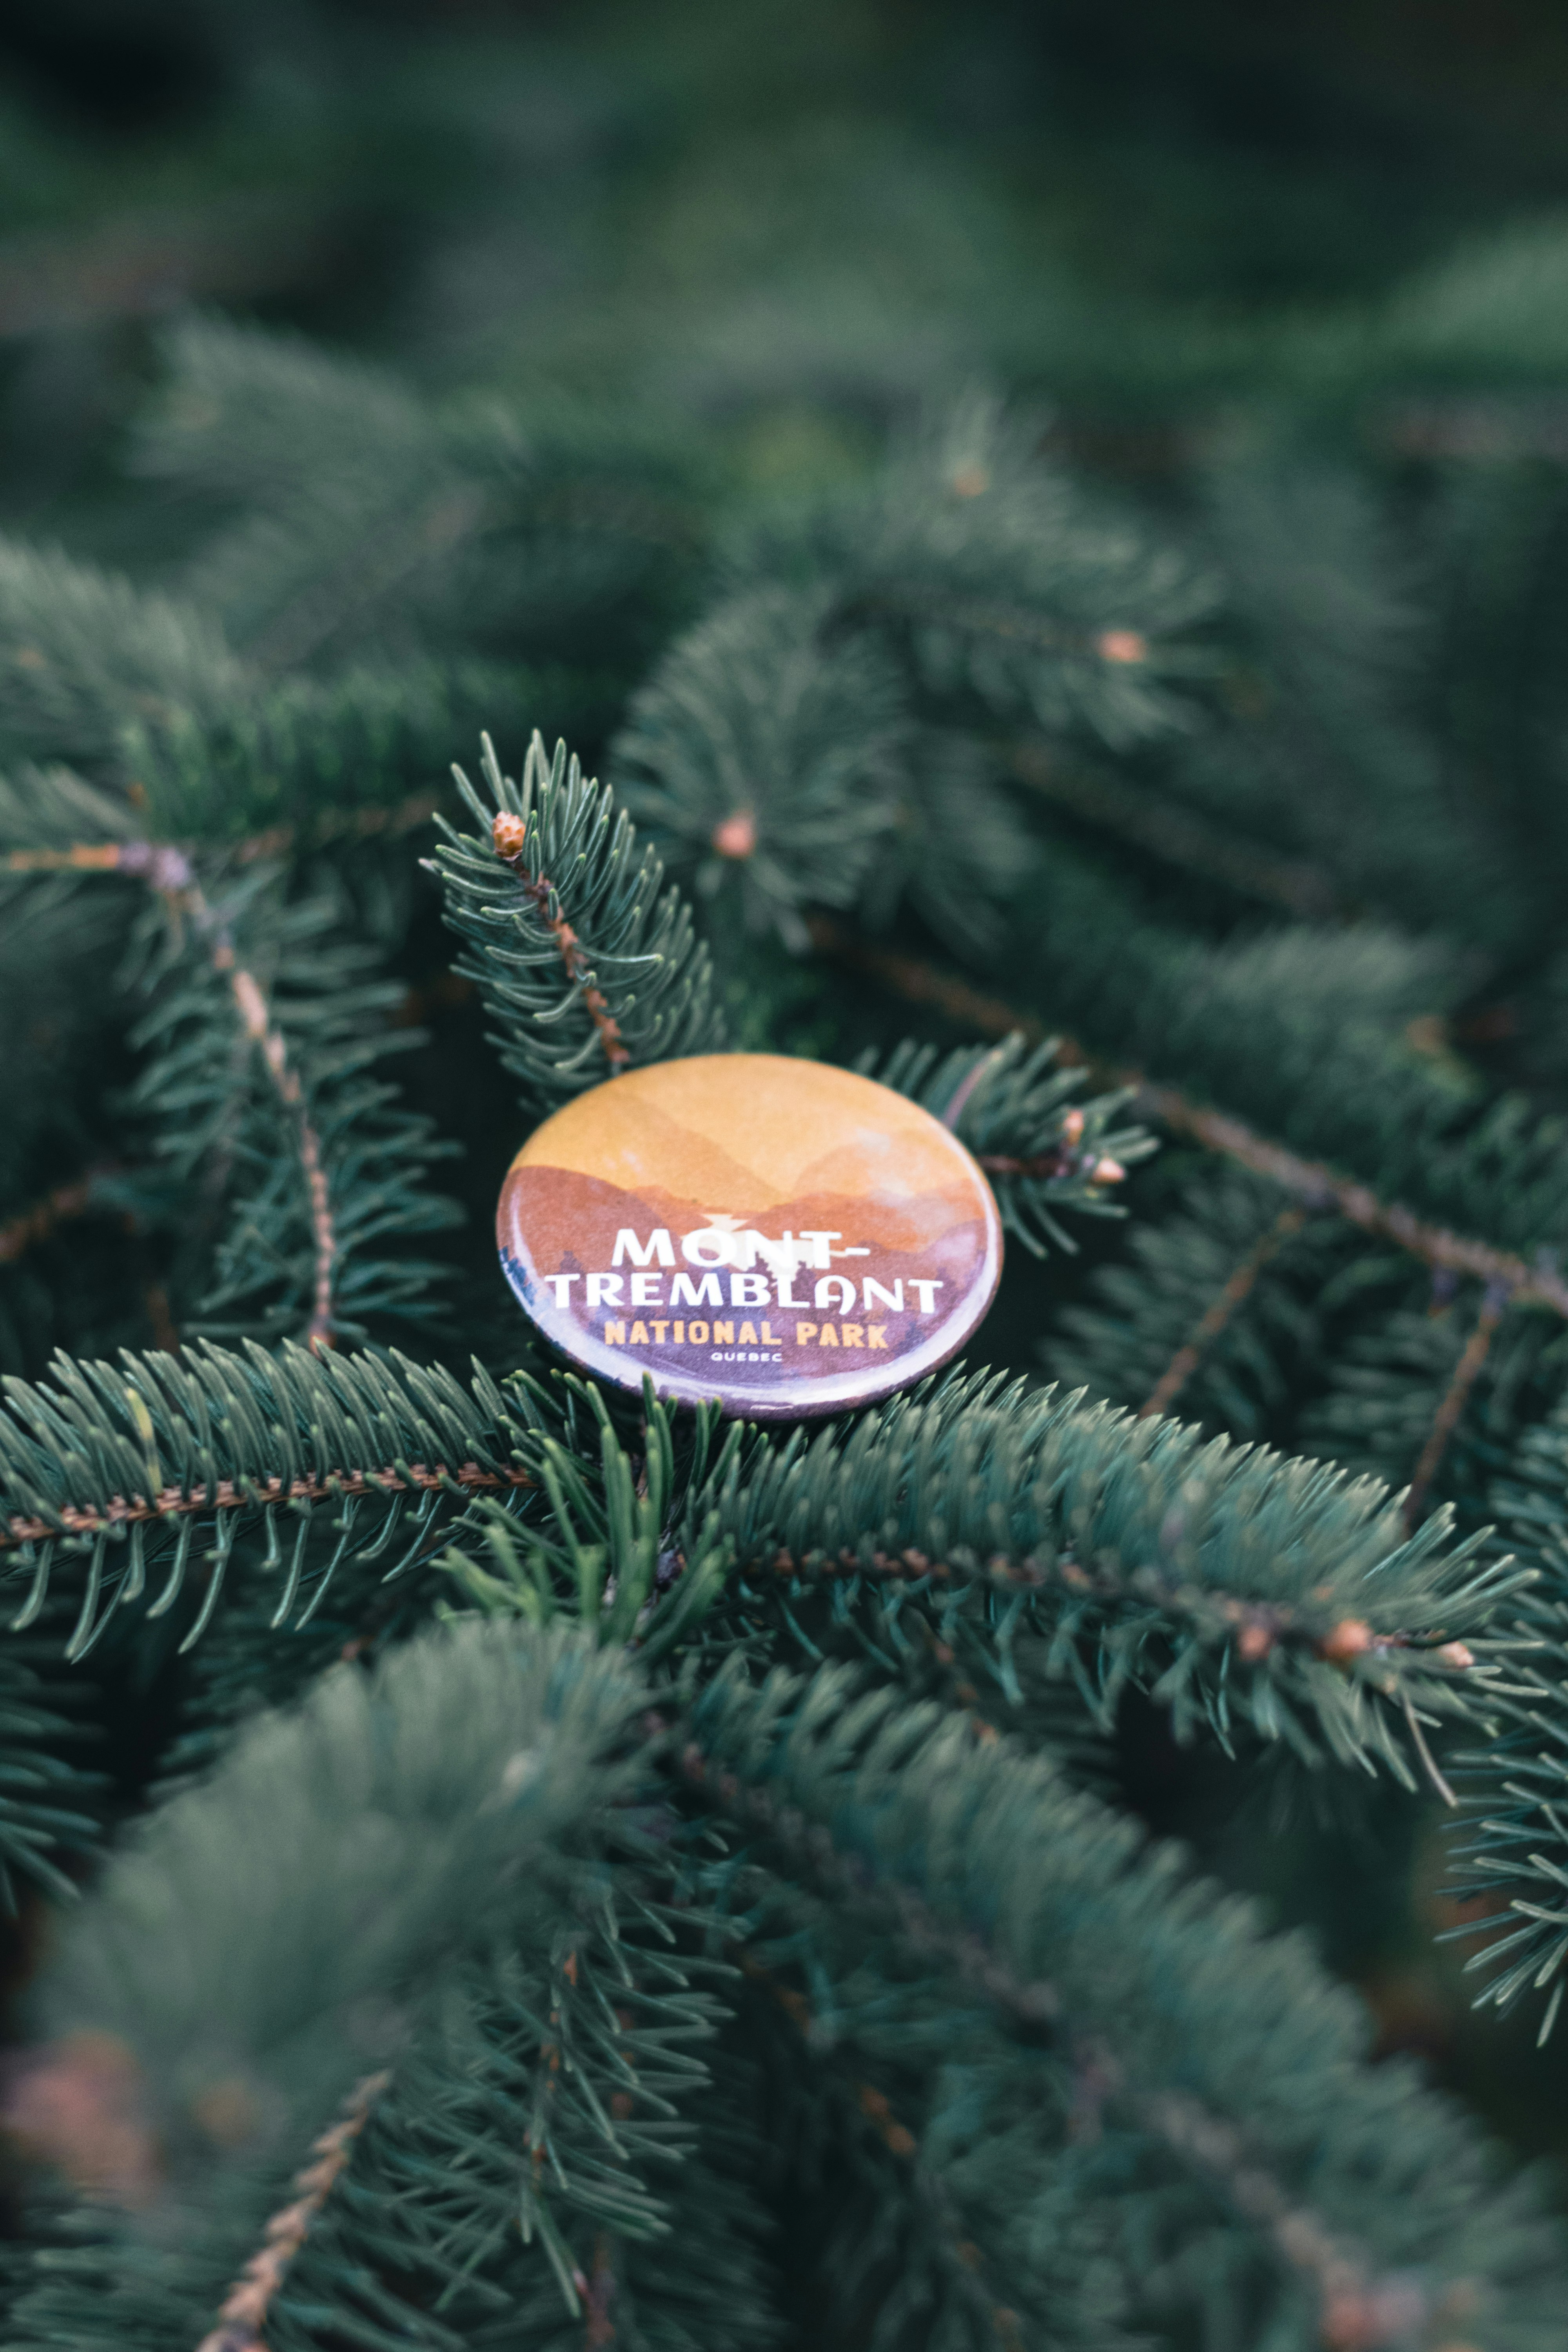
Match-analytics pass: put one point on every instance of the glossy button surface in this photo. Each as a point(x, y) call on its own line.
point(783, 1236)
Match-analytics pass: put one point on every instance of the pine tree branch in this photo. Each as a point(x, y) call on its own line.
point(1013, 1107)
point(188, 903)
point(1012, 623)
point(264, 1033)
point(47, 1802)
point(1360, 2307)
point(587, 962)
point(872, 2105)
point(1318, 1186)
point(457, 1867)
point(327, 825)
point(510, 836)
point(95, 1455)
point(766, 749)
point(244, 2312)
point(1147, 2011)
point(169, 1504)
point(1313, 1182)
point(266, 1024)
point(142, 859)
point(1188, 1357)
point(402, 546)
point(1176, 834)
point(168, 872)
point(1467, 1371)
point(1136, 1554)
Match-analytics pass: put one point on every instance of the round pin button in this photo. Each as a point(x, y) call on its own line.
point(779, 1235)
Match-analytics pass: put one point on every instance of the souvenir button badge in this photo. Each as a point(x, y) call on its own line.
point(784, 1237)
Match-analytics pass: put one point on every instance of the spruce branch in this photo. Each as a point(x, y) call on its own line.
point(585, 961)
point(1213, 1308)
point(497, 1939)
point(306, 762)
point(938, 2262)
point(546, 2141)
point(119, 1467)
point(80, 651)
point(999, 582)
point(1509, 1841)
point(1315, 1182)
point(244, 2312)
point(1510, 1853)
point(263, 1030)
point(240, 1060)
point(1217, 1315)
point(45, 1794)
point(363, 516)
point(1337, 644)
point(1239, 1587)
point(767, 745)
point(1012, 1105)
point(1040, 1938)
point(1171, 831)
point(1455, 1397)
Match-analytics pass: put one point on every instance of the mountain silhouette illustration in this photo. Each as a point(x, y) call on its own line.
point(556, 1210)
point(643, 1141)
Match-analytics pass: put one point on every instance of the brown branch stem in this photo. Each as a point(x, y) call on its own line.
point(264, 1033)
point(166, 869)
point(1313, 1181)
point(510, 844)
point(1188, 1357)
point(252, 1493)
point(275, 841)
point(243, 2314)
point(1445, 1419)
point(1257, 1627)
point(1041, 1165)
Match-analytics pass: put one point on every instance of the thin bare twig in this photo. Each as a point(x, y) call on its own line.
point(276, 840)
point(264, 1033)
point(1455, 1397)
point(243, 2311)
point(1188, 1357)
point(1313, 1181)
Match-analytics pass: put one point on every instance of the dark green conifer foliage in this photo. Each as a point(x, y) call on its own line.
point(602, 1875)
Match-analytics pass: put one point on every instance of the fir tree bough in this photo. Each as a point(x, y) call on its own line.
point(607, 1876)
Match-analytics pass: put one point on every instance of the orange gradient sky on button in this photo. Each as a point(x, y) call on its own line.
point(769, 1146)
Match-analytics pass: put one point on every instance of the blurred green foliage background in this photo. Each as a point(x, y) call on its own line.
point(776, 223)
point(779, 216)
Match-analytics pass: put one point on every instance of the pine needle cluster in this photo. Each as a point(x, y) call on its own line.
point(616, 1876)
